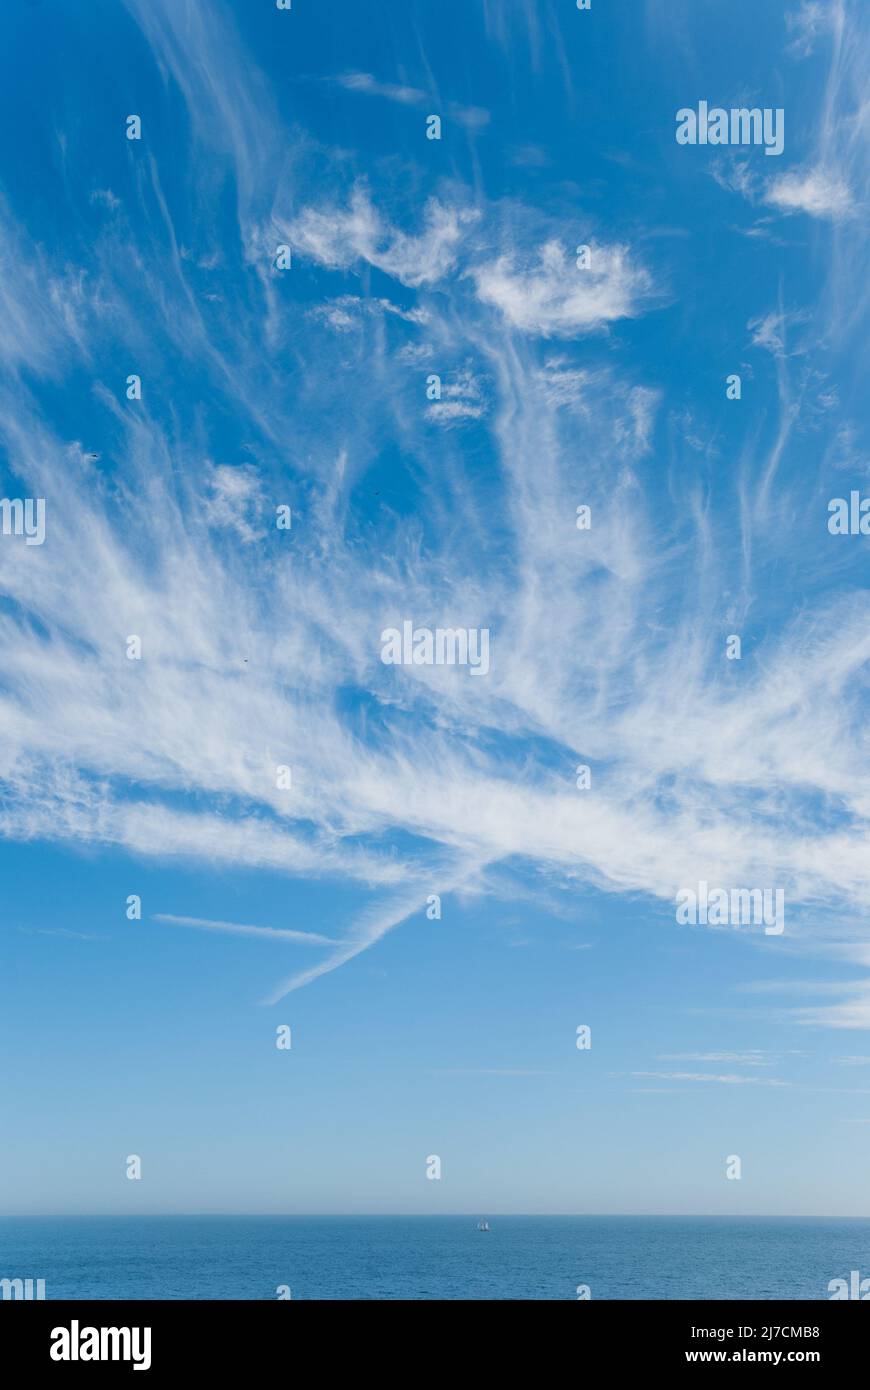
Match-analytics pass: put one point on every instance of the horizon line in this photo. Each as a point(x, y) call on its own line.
point(419, 1215)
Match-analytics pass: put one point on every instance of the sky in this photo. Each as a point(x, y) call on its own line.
point(276, 298)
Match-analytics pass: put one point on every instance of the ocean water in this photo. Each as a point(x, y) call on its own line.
point(521, 1257)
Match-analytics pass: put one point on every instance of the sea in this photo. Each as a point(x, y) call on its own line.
point(433, 1257)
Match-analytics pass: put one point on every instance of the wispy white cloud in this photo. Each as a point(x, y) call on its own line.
point(366, 85)
point(63, 932)
point(814, 191)
point(490, 1071)
point(736, 175)
point(261, 649)
point(305, 938)
point(234, 495)
point(808, 21)
point(746, 1059)
point(461, 399)
point(340, 237)
point(349, 311)
point(550, 296)
point(773, 330)
point(728, 1079)
point(830, 181)
point(449, 412)
point(370, 927)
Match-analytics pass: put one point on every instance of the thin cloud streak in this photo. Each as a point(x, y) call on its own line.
point(241, 929)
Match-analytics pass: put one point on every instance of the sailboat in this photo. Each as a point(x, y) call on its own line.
point(483, 1225)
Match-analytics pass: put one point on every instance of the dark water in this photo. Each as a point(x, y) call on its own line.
point(522, 1257)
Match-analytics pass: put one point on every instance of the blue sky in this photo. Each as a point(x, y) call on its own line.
point(306, 387)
